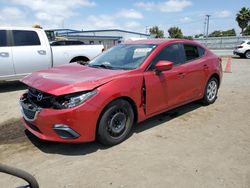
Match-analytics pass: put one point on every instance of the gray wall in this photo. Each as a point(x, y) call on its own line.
point(222, 42)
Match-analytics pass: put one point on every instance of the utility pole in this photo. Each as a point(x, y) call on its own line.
point(147, 29)
point(204, 31)
point(207, 23)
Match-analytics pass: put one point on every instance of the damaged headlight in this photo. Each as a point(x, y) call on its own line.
point(72, 100)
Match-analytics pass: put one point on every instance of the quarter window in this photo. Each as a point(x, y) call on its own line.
point(3, 38)
point(25, 38)
point(201, 51)
point(191, 52)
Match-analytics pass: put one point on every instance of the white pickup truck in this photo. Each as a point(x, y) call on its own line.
point(24, 50)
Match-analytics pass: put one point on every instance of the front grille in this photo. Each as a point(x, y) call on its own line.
point(30, 114)
point(40, 99)
point(28, 109)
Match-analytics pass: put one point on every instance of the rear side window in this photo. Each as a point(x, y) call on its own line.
point(3, 38)
point(25, 38)
point(75, 42)
point(170, 53)
point(191, 52)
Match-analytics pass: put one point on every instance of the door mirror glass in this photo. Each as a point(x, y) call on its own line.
point(164, 66)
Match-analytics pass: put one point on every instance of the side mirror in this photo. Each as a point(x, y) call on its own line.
point(163, 66)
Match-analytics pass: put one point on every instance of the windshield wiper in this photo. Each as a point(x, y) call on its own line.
point(102, 66)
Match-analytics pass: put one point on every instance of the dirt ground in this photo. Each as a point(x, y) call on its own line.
point(194, 146)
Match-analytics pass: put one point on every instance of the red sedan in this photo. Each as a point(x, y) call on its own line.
point(126, 84)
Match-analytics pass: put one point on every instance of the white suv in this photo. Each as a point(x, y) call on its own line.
point(243, 50)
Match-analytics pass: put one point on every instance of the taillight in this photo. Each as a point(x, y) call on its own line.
point(239, 46)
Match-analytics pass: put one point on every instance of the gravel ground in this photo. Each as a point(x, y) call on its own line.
point(194, 146)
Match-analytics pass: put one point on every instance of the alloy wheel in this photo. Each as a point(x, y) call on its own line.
point(211, 90)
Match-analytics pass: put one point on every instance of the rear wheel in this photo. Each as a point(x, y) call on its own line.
point(115, 123)
point(247, 54)
point(211, 91)
point(80, 60)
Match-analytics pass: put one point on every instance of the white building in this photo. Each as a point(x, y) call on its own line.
point(108, 37)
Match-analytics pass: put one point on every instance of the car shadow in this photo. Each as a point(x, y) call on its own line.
point(8, 86)
point(88, 148)
point(166, 116)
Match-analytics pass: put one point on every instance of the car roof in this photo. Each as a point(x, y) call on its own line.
point(158, 41)
point(19, 28)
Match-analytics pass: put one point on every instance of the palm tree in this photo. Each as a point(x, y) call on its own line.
point(243, 18)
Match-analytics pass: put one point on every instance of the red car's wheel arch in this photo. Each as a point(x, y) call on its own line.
point(126, 98)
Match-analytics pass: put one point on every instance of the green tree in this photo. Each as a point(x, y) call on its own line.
point(243, 18)
point(228, 33)
point(188, 37)
point(175, 32)
point(247, 30)
point(157, 32)
point(215, 34)
point(199, 36)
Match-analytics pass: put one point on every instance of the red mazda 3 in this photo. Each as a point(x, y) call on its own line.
point(126, 84)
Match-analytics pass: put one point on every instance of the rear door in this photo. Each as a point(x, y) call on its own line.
point(6, 63)
point(30, 52)
point(196, 71)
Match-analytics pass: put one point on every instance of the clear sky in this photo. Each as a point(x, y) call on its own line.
point(133, 15)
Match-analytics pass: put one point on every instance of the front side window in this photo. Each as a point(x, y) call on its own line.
point(3, 38)
point(25, 38)
point(191, 52)
point(123, 56)
point(170, 53)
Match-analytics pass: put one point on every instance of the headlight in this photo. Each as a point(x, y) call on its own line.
point(70, 101)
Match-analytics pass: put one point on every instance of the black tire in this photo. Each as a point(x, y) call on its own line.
point(211, 90)
point(80, 60)
point(20, 174)
point(115, 123)
point(247, 54)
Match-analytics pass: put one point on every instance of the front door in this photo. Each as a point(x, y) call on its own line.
point(165, 89)
point(29, 52)
point(6, 63)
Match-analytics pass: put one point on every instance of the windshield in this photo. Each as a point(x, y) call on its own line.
point(123, 56)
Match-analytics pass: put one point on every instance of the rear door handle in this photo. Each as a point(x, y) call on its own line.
point(205, 66)
point(42, 52)
point(181, 75)
point(4, 54)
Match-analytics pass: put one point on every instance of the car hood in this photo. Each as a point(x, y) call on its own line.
point(70, 78)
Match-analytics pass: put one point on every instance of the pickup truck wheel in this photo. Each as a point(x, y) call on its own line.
point(80, 60)
point(115, 123)
point(247, 54)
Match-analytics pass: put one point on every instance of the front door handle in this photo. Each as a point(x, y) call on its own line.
point(4, 54)
point(42, 52)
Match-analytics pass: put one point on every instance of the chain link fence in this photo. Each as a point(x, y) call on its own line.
point(222, 42)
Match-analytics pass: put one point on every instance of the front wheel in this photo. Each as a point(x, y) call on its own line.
point(115, 123)
point(211, 91)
